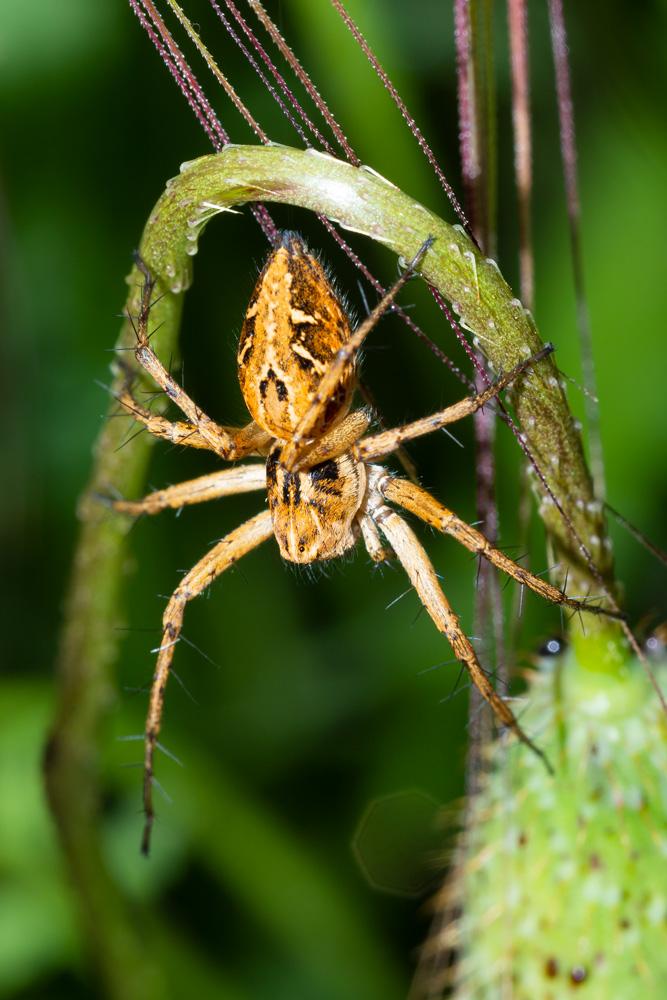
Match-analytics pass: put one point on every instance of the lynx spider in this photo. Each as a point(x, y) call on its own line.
point(296, 366)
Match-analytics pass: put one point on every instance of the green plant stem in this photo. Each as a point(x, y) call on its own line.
point(86, 658)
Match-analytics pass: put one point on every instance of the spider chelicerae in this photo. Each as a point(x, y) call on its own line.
point(297, 370)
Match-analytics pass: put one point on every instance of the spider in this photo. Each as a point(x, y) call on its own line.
point(296, 366)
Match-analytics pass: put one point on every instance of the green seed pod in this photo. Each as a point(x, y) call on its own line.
point(562, 879)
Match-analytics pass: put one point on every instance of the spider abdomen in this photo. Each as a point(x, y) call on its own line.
point(314, 509)
point(294, 326)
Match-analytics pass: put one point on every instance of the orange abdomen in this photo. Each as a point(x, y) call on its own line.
point(294, 326)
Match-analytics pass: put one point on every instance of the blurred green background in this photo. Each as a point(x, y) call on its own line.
point(319, 707)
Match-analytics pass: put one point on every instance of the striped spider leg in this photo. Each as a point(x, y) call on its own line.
point(297, 370)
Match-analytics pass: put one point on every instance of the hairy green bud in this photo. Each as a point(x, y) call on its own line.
point(562, 880)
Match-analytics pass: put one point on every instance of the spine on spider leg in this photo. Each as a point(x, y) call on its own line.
point(558, 882)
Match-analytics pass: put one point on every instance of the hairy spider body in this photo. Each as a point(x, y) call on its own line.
point(296, 365)
point(290, 335)
point(314, 511)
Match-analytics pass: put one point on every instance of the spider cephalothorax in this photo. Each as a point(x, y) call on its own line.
point(296, 364)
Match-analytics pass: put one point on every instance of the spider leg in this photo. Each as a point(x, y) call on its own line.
point(226, 442)
point(409, 466)
point(418, 566)
point(240, 479)
point(338, 440)
point(376, 550)
point(236, 544)
point(386, 442)
point(419, 501)
point(247, 439)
